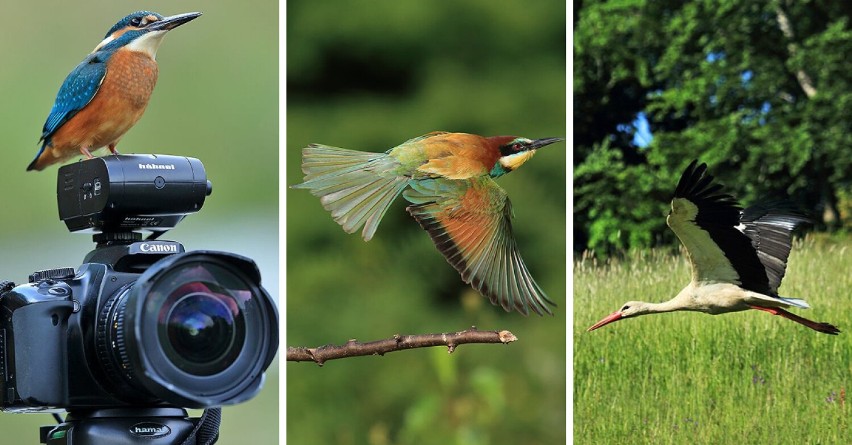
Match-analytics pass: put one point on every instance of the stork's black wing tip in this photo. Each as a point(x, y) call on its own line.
point(779, 211)
point(692, 165)
point(691, 176)
point(698, 186)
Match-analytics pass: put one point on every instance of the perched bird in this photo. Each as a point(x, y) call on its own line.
point(738, 257)
point(108, 91)
point(449, 180)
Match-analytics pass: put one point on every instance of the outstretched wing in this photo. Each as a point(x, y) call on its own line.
point(770, 228)
point(470, 223)
point(76, 92)
point(706, 222)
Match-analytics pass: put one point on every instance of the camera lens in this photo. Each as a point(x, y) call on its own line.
point(195, 330)
point(201, 323)
point(201, 332)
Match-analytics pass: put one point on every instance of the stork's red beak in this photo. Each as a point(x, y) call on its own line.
point(615, 316)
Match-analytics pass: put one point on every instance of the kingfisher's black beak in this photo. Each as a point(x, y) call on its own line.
point(172, 22)
point(538, 143)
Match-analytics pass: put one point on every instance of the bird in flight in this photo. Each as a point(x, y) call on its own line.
point(737, 256)
point(449, 180)
point(106, 94)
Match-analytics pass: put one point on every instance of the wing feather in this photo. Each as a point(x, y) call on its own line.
point(76, 92)
point(770, 227)
point(470, 223)
point(706, 220)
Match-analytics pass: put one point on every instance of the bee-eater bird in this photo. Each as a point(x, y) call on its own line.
point(449, 180)
point(108, 91)
point(738, 257)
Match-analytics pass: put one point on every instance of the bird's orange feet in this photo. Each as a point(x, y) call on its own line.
point(113, 150)
point(85, 152)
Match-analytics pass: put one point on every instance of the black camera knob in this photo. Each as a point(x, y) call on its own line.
point(6, 286)
point(62, 273)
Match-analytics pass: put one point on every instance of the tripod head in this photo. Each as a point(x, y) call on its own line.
point(134, 426)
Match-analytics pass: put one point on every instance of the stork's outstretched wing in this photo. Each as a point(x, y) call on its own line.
point(707, 222)
point(770, 228)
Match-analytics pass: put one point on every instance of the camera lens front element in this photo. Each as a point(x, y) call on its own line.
point(195, 330)
point(203, 328)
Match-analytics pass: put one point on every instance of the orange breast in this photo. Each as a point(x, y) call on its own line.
point(117, 106)
point(459, 156)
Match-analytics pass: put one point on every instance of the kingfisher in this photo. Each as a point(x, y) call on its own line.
point(108, 91)
point(449, 180)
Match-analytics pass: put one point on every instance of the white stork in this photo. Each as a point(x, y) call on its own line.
point(738, 257)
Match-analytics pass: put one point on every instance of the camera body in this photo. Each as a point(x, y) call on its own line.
point(141, 323)
point(50, 328)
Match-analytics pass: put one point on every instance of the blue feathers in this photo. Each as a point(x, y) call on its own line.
point(76, 92)
point(129, 21)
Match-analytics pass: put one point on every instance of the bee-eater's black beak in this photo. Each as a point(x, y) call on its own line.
point(172, 22)
point(538, 143)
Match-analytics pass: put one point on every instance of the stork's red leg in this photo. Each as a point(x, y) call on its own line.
point(825, 328)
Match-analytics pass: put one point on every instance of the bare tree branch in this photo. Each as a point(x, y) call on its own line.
point(801, 75)
point(398, 342)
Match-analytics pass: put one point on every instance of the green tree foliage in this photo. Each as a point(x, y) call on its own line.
point(758, 90)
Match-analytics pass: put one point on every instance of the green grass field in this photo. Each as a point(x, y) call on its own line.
point(678, 378)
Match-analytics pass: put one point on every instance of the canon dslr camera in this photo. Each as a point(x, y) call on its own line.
point(141, 323)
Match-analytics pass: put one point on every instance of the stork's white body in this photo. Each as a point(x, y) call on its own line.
point(720, 298)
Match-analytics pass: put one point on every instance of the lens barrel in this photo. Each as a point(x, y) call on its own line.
point(195, 330)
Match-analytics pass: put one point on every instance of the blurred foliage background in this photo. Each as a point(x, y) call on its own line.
point(761, 91)
point(216, 99)
point(368, 77)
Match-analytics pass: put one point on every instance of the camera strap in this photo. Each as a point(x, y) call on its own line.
point(206, 431)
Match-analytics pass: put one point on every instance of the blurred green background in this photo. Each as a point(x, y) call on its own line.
point(216, 99)
point(368, 76)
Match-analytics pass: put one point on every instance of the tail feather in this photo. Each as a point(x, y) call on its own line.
point(38, 163)
point(356, 187)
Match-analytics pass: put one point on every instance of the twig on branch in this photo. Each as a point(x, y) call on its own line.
point(398, 342)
